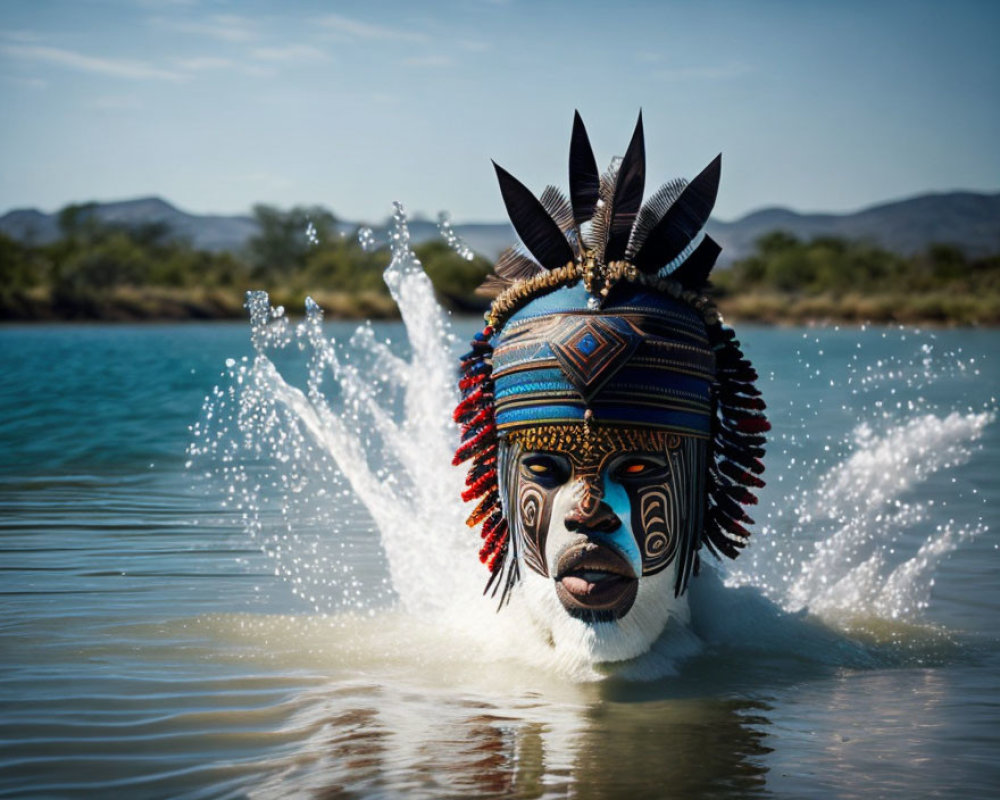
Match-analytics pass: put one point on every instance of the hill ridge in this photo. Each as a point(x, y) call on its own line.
point(970, 220)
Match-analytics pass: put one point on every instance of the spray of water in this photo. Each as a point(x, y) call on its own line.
point(862, 499)
point(370, 429)
point(369, 436)
point(855, 538)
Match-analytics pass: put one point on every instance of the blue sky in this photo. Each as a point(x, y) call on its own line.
point(216, 105)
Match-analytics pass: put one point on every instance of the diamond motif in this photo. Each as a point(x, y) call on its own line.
point(592, 349)
point(587, 344)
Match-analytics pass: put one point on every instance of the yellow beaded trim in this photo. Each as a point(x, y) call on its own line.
point(591, 445)
point(598, 280)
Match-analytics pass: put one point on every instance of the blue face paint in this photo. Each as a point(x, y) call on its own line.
point(623, 540)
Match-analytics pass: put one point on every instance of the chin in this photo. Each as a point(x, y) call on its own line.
point(607, 637)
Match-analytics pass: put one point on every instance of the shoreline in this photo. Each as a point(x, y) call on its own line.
point(938, 309)
point(159, 305)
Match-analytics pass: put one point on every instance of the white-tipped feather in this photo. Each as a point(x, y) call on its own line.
point(652, 212)
point(558, 207)
point(515, 264)
point(597, 236)
point(682, 256)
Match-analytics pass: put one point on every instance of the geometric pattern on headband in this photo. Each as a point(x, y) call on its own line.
point(591, 350)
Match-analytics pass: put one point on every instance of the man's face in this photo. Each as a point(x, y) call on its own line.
point(600, 517)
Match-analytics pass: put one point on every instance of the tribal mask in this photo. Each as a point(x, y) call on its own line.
point(611, 421)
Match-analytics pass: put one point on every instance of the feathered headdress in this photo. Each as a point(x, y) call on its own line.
point(602, 236)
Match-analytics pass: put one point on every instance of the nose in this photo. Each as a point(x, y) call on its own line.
point(594, 516)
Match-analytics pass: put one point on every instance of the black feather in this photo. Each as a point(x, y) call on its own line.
point(718, 541)
point(652, 211)
point(744, 403)
point(584, 178)
point(693, 273)
point(557, 206)
point(538, 231)
point(628, 196)
point(682, 222)
point(513, 265)
point(729, 506)
point(493, 582)
point(738, 439)
point(599, 224)
point(733, 389)
point(747, 461)
point(491, 286)
point(513, 575)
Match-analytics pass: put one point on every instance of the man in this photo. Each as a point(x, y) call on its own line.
point(610, 420)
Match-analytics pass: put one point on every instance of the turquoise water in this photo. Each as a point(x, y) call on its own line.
point(152, 646)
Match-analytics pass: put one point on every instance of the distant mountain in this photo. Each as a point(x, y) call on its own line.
point(207, 232)
point(967, 219)
point(29, 225)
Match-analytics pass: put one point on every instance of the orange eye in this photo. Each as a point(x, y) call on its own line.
point(636, 468)
point(539, 469)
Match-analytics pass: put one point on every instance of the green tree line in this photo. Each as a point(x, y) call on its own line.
point(97, 270)
point(788, 279)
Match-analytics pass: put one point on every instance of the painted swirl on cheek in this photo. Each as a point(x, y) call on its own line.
point(667, 505)
point(664, 504)
point(651, 521)
point(534, 506)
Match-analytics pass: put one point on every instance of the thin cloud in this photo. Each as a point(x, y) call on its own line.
point(204, 63)
point(115, 67)
point(290, 53)
point(223, 27)
point(357, 29)
point(428, 61)
point(27, 83)
point(23, 36)
point(198, 64)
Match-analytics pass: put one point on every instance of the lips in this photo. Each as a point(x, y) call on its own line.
point(594, 581)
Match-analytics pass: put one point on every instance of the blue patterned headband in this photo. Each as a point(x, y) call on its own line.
point(642, 359)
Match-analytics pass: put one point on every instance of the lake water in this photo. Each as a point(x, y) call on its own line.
point(252, 619)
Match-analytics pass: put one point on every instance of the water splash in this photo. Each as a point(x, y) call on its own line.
point(371, 433)
point(366, 238)
point(859, 534)
point(367, 442)
point(847, 571)
point(452, 239)
point(312, 235)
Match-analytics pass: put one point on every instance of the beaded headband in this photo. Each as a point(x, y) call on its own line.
point(643, 359)
point(605, 239)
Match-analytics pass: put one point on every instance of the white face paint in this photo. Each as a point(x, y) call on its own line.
point(603, 522)
point(606, 640)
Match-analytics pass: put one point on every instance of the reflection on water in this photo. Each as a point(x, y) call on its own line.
point(447, 745)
